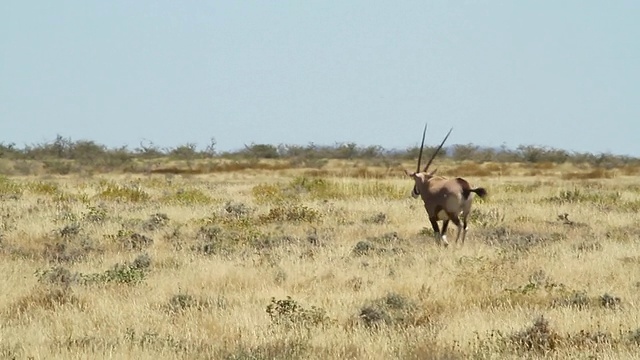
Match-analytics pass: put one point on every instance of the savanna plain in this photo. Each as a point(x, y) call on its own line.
point(269, 262)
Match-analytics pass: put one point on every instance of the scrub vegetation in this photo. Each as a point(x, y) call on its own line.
point(285, 252)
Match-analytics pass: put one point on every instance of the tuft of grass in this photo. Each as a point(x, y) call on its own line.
point(187, 197)
point(116, 192)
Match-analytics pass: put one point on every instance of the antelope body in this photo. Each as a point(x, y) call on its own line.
point(444, 199)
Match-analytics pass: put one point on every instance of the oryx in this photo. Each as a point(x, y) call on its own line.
point(444, 199)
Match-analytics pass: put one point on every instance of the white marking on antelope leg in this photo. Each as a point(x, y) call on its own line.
point(444, 240)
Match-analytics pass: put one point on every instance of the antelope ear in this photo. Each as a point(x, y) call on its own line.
point(409, 173)
point(433, 172)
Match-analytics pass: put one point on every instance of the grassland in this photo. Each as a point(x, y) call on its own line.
point(334, 262)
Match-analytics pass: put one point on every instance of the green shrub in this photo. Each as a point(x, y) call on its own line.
point(9, 188)
point(288, 312)
point(290, 212)
point(188, 197)
point(268, 194)
point(44, 188)
point(95, 214)
point(125, 273)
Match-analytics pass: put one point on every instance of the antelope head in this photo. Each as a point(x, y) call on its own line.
point(421, 177)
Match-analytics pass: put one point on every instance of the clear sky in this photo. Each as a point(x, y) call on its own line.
point(564, 74)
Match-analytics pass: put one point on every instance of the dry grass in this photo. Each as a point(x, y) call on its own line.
point(312, 264)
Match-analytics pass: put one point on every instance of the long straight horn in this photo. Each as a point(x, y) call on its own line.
point(421, 147)
point(437, 150)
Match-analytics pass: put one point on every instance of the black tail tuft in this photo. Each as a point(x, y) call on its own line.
point(482, 192)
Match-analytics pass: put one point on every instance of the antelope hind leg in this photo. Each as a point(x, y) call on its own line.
point(456, 221)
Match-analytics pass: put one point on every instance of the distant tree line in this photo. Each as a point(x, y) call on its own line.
point(91, 154)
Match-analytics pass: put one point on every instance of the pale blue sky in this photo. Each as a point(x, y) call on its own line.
point(564, 74)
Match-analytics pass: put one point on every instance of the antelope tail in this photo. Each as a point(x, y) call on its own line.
point(467, 190)
point(482, 192)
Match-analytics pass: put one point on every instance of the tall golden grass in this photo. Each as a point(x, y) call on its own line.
point(301, 264)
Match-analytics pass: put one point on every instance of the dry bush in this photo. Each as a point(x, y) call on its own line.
point(46, 298)
point(130, 240)
point(277, 349)
point(385, 244)
point(393, 310)
point(379, 218)
point(630, 170)
point(470, 169)
point(540, 338)
point(498, 168)
point(429, 349)
point(512, 239)
point(70, 252)
point(598, 173)
point(156, 221)
point(545, 165)
point(183, 302)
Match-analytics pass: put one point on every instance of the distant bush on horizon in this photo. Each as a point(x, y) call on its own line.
point(63, 155)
